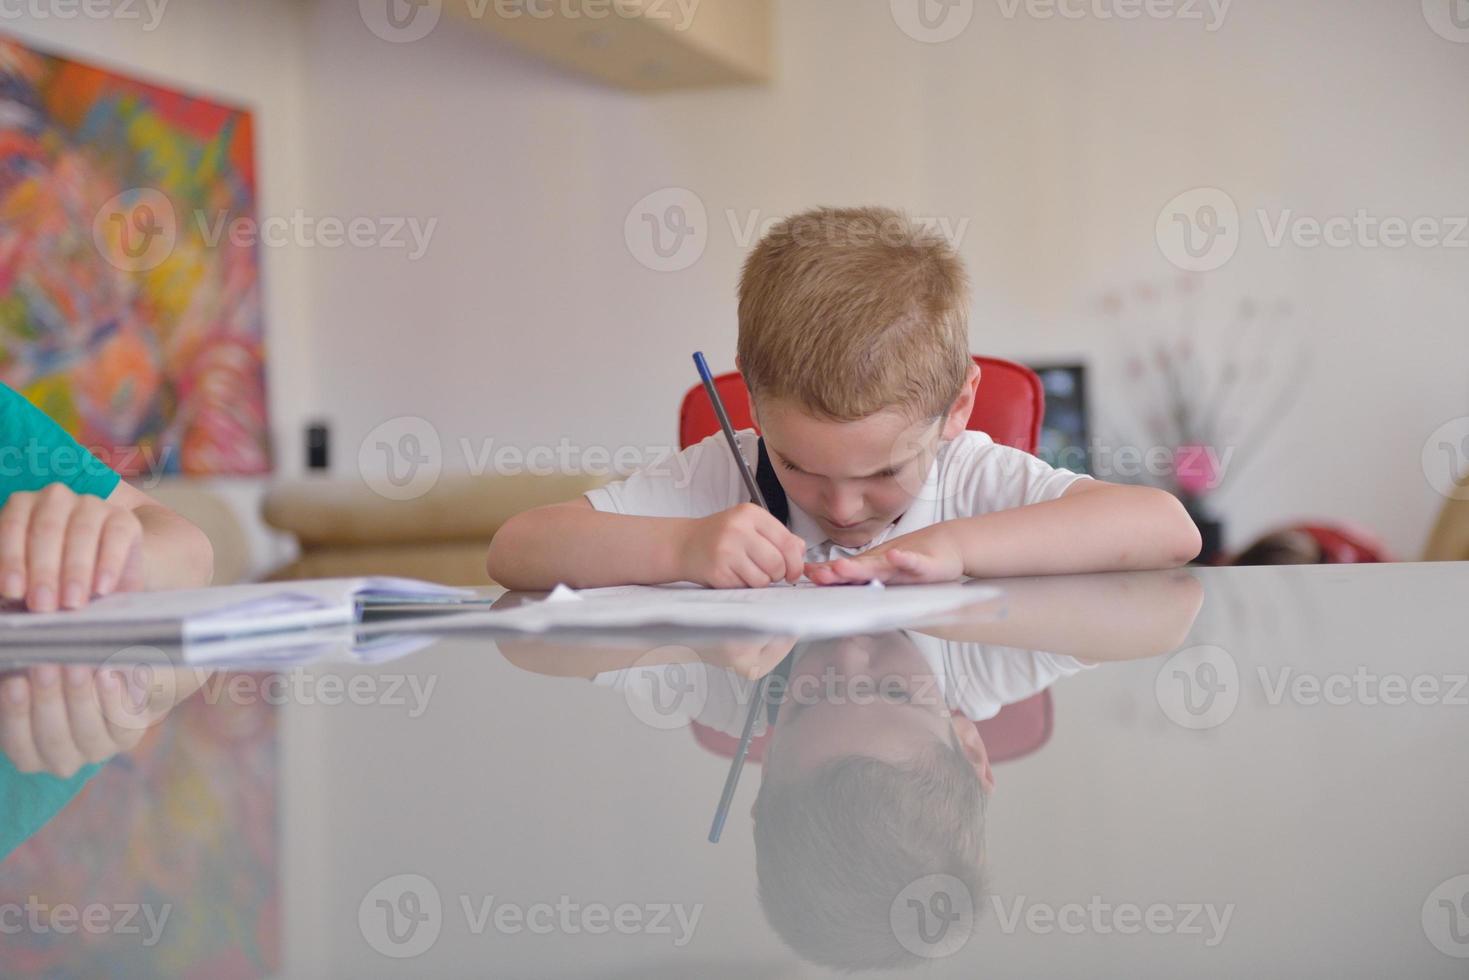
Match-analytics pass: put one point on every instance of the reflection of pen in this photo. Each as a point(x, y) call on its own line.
point(763, 699)
point(755, 495)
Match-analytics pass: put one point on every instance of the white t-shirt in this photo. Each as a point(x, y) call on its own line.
point(978, 680)
point(975, 679)
point(970, 476)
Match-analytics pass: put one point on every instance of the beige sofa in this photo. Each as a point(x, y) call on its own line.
point(1449, 539)
point(346, 529)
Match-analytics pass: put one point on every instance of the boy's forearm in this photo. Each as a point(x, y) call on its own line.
point(176, 554)
point(1124, 616)
point(585, 548)
point(1103, 527)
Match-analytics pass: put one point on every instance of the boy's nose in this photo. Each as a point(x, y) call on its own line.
point(844, 508)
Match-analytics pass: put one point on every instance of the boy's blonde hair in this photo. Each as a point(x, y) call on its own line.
point(854, 310)
point(834, 850)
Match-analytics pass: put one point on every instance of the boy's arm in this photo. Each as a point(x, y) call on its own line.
point(1121, 616)
point(580, 546)
point(575, 544)
point(1092, 527)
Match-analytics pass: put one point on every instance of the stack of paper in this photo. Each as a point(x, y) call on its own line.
point(195, 615)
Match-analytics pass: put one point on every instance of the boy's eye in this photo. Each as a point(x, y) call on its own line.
point(886, 474)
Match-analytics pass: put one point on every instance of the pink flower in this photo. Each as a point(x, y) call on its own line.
point(1195, 469)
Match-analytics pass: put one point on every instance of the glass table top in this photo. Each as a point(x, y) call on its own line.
point(1202, 772)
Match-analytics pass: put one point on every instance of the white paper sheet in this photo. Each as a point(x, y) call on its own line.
point(803, 610)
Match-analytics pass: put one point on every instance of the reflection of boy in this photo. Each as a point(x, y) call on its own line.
point(877, 782)
point(874, 776)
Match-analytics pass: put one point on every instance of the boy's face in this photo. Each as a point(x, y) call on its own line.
point(871, 695)
point(856, 478)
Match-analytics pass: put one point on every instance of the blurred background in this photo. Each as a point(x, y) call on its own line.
point(1227, 233)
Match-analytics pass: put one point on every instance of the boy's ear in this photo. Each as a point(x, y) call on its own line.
point(754, 415)
point(974, 750)
point(958, 418)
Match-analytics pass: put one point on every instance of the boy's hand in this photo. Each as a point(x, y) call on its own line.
point(928, 555)
point(58, 549)
point(743, 547)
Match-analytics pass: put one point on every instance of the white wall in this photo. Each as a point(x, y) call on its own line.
point(529, 321)
point(1060, 141)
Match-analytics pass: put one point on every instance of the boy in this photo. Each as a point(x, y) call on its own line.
point(71, 529)
point(853, 341)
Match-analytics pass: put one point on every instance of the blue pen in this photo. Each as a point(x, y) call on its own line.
point(755, 495)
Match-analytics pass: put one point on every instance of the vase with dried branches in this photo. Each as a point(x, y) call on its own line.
point(1209, 384)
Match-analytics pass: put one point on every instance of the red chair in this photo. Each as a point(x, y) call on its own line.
point(1342, 545)
point(1009, 405)
point(1333, 544)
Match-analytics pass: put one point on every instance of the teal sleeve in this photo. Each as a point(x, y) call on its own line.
point(36, 452)
point(29, 800)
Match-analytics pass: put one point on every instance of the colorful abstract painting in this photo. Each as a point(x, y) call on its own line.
point(123, 314)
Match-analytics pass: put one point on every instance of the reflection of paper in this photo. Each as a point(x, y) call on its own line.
point(343, 644)
point(802, 610)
